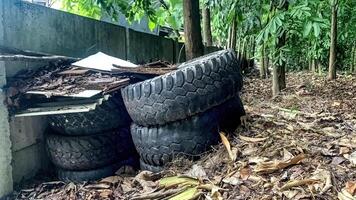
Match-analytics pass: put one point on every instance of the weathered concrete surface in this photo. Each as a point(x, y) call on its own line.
point(37, 28)
point(28, 153)
point(143, 47)
point(6, 183)
point(27, 161)
point(26, 131)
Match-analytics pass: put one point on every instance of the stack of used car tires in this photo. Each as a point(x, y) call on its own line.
point(91, 145)
point(181, 112)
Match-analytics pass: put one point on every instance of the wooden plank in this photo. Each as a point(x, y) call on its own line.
point(74, 72)
point(82, 94)
point(144, 70)
point(40, 111)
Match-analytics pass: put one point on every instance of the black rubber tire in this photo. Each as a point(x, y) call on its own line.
point(148, 167)
point(87, 175)
point(229, 114)
point(194, 88)
point(94, 174)
point(158, 145)
point(89, 152)
point(109, 115)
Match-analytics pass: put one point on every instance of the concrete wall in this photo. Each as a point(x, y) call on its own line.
point(36, 28)
point(28, 150)
point(144, 47)
point(6, 182)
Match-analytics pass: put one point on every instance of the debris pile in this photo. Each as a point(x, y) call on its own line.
point(299, 145)
point(89, 78)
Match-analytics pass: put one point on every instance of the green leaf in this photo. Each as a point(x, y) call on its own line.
point(151, 25)
point(279, 21)
point(307, 29)
point(273, 26)
point(316, 29)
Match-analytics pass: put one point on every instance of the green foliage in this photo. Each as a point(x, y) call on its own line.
point(306, 24)
point(159, 12)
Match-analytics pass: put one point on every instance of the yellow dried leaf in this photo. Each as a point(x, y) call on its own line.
point(296, 183)
point(251, 139)
point(345, 195)
point(336, 103)
point(177, 180)
point(227, 145)
point(188, 194)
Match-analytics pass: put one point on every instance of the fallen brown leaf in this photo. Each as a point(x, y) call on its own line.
point(251, 139)
point(245, 173)
point(351, 187)
point(98, 186)
point(296, 183)
point(325, 182)
point(227, 145)
point(112, 179)
point(271, 166)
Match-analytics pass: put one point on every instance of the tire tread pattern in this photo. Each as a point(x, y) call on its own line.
point(158, 145)
point(192, 89)
point(89, 152)
point(107, 116)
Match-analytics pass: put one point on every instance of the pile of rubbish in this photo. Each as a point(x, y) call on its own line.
point(105, 113)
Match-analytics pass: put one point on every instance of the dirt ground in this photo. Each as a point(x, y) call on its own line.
point(299, 145)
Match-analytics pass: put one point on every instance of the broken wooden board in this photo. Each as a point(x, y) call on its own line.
point(144, 70)
point(82, 94)
point(56, 108)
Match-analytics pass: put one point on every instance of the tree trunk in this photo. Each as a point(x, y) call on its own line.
point(279, 72)
point(354, 63)
point(353, 59)
point(320, 67)
point(253, 46)
point(192, 30)
point(242, 47)
point(232, 35)
point(238, 41)
point(208, 40)
point(228, 45)
point(267, 63)
point(262, 62)
point(279, 69)
point(333, 35)
point(313, 65)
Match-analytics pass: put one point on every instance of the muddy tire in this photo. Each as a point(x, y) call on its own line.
point(158, 145)
point(89, 152)
point(229, 114)
point(109, 115)
point(148, 167)
point(94, 174)
point(194, 88)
